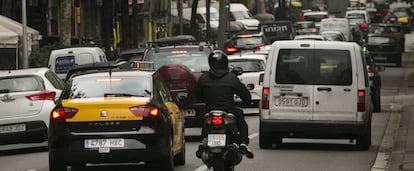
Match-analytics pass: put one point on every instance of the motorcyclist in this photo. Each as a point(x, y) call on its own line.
point(217, 88)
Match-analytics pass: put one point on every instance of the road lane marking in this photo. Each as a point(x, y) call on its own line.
point(204, 167)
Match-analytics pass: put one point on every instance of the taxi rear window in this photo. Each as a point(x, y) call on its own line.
point(195, 60)
point(314, 67)
point(88, 87)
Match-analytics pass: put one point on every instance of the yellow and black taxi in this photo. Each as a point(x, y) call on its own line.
point(112, 115)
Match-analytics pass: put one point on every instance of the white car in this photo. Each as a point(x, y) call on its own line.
point(27, 97)
point(253, 66)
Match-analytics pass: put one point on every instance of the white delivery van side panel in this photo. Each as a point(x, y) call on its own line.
point(337, 100)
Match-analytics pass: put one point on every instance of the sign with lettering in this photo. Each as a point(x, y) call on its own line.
point(64, 64)
point(277, 30)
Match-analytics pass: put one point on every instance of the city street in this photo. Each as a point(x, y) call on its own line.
point(295, 154)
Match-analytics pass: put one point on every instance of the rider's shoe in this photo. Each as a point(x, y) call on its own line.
point(199, 151)
point(245, 149)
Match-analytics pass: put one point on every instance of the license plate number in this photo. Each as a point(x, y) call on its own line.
point(12, 128)
point(188, 112)
point(104, 143)
point(295, 102)
point(216, 140)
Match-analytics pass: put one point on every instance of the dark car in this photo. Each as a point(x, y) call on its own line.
point(244, 42)
point(384, 48)
point(113, 115)
point(131, 55)
point(181, 66)
point(374, 81)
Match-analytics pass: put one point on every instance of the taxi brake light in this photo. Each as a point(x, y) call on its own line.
point(144, 111)
point(63, 113)
point(179, 52)
point(43, 95)
point(217, 120)
point(109, 80)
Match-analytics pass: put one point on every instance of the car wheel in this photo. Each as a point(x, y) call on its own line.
point(55, 165)
point(179, 159)
point(264, 140)
point(376, 100)
point(363, 142)
point(166, 163)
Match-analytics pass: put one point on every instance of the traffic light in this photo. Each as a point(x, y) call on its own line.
point(227, 6)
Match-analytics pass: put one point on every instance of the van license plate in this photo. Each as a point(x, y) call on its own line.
point(104, 143)
point(216, 140)
point(295, 102)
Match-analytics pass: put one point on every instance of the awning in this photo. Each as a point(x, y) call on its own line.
point(8, 38)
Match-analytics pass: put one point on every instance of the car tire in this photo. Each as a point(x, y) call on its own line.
point(264, 140)
point(363, 142)
point(166, 163)
point(55, 165)
point(376, 100)
point(179, 159)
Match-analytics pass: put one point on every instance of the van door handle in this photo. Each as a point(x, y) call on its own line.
point(324, 89)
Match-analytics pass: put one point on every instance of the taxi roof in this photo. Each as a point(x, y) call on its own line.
point(134, 73)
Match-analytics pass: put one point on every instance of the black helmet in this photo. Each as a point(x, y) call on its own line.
point(218, 60)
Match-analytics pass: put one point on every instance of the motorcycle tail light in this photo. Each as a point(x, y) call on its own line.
point(217, 120)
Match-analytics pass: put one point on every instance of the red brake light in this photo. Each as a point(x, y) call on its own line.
point(63, 113)
point(44, 95)
point(363, 26)
point(265, 98)
point(378, 14)
point(259, 48)
point(144, 111)
point(246, 36)
point(300, 14)
point(361, 101)
point(231, 50)
point(217, 120)
point(385, 10)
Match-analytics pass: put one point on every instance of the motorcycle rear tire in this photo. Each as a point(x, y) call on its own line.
point(219, 164)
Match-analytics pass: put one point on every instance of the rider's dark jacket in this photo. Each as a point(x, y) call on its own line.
point(217, 88)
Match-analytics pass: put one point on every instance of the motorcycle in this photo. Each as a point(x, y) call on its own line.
point(219, 148)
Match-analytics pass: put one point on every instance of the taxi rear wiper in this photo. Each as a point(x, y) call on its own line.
point(121, 95)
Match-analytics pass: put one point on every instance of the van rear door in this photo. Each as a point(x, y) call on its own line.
point(291, 94)
point(335, 90)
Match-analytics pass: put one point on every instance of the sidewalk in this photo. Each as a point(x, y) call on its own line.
point(396, 152)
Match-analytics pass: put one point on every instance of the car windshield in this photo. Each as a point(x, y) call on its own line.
point(357, 20)
point(104, 86)
point(305, 25)
point(315, 18)
point(248, 65)
point(195, 60)
point(332, 37)
point(213, 16)
point(19, 84)
point(400, 13)
point(384, 29)
point(241, 15)
point(380, 40)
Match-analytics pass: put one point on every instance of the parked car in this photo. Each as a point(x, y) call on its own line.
point(301, 85)
point(384, 48)
point(112, 115)
point(181, 66)
point(27, 97)
point(374, 77)
point(253, 66)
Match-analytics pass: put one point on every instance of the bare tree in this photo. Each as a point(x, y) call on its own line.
point(64, 24)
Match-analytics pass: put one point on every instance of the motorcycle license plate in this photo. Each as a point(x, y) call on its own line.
point(216, 140)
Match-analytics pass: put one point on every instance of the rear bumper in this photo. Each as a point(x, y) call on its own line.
point(197, 120)
point(313, 129)
point(386, 56)
point(36, 131)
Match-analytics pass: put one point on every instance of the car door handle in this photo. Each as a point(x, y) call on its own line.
point(324, 89)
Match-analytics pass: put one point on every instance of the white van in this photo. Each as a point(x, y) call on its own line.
point(201, 18)
point(62, 60)
point(336, 24)
point(315, 89)
point(240, 13)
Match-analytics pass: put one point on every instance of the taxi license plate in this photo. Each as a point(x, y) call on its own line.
point(216, 140)
point(188, 112)
point(294, 102)
point(104, 143)
point(12, 128)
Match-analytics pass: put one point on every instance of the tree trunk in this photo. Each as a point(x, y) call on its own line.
point(64, 25)
point(193, 27)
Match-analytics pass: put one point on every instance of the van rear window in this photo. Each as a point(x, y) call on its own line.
point(314, 67)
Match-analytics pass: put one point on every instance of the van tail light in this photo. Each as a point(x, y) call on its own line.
point(231, 50)
point(145, 111)
point(361, 101)
point(363, 26)
point(63, 113)
point(265, 98)
point(217, 120)
point(43, 95)
point(371, 75)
